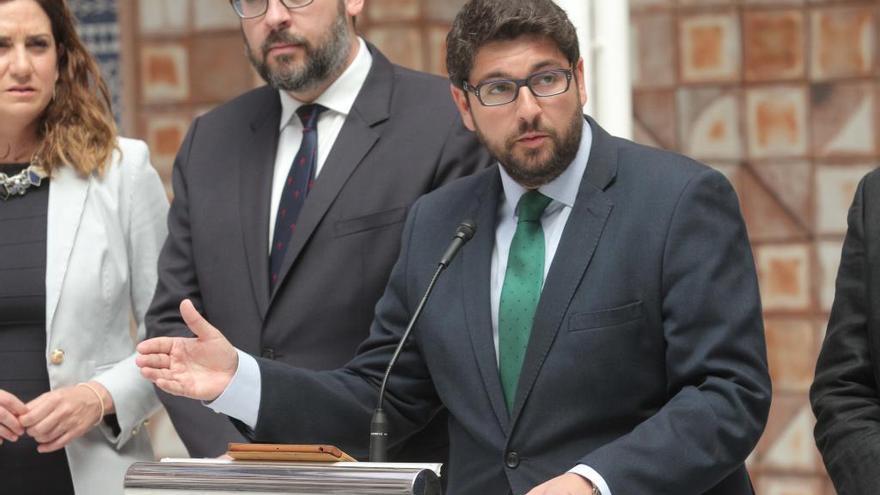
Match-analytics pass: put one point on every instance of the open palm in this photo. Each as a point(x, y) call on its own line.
point(198, 368)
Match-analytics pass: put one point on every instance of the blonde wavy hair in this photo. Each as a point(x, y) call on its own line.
point(77, 128)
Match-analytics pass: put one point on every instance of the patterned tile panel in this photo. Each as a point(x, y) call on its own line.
point(164, 72)
point(709, 122)
point(774, 44)
point(653, 51)
point(844, 119)
point(777, 121)
point(844, 41)
point(710, 47)
point(784, 276)
point(655, 116)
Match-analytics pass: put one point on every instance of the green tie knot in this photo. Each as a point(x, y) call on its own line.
point(531, 206)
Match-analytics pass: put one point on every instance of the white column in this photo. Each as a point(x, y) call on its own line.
point(603, 31)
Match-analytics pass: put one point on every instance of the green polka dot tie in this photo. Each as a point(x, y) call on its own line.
point(521, 290)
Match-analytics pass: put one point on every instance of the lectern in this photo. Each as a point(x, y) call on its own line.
point(251, 477)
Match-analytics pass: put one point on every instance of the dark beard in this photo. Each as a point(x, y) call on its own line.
point(563, 153)
point(322, 63)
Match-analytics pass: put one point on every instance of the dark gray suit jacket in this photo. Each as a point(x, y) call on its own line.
point(647, 359)
point(402, 139)
point(845, 395)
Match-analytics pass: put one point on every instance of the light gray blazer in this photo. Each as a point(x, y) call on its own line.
point(104, 236)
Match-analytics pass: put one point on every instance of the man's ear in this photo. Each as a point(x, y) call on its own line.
point(581, 82)
point(354, 7)
point(464, 107)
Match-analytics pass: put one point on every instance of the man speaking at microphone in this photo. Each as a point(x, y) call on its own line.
point(600, 333)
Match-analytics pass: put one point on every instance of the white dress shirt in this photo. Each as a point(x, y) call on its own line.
point(241, 399)
point(338, 99)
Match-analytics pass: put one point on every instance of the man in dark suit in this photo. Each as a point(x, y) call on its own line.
point(601, 332)
point(845, 394)
point(383, 136)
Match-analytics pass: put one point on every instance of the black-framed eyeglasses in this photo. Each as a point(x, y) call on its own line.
point(503, 91)
point(248, 9)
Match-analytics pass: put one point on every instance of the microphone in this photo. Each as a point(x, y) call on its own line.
point(379, 423)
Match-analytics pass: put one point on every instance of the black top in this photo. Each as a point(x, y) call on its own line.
point(23, 335)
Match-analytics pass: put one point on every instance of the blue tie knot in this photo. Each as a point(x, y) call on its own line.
point(308, 115)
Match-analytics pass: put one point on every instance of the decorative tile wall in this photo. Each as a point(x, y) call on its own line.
point(782, 97)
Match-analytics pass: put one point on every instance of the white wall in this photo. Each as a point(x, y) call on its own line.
point(603, 31)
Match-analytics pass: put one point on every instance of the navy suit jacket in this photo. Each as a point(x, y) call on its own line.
point(646, 361)
point(402, 138)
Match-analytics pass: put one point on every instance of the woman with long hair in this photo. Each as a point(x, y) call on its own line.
point(81, 223)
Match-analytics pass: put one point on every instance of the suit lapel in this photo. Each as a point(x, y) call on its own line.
point(67, 198)
point(357, 136)
point(256, 169)
point(476, 275)
point(573, 255)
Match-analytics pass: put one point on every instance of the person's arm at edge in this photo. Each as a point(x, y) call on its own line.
point(844, 395)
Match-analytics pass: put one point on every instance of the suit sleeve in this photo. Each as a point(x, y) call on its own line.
point(133, 397)
point(844, 395)
point(341, 402)
point(718, 383)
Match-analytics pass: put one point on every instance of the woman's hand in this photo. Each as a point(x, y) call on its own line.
point(10, 410)
point(59, 416)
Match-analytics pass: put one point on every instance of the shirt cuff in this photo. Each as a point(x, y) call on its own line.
point(594, 477)
point(241, 399)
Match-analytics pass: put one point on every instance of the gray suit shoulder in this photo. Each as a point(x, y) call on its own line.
point(244, 105)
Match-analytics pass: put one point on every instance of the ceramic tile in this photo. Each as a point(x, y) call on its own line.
point(794, 448)
point(843, 42)
point(219, 53)
point(774, 45)
point(653, 50)
point(164, 72)
point(767, 217)
point(437, 51)
point(835, 188)
point(828, 253)
point(784, 276)
point(214, 14)
point(710, 47)
point(773, 3)
point(792, 353)
point(784, 408)
point(650, 4)
point(791, 185)
point(402, 45)
point(709, 123)
point(844, 119)
point(442, 11)
point(655, 113)
point(392, 10)
point(777, 121)
point(163, 16)
point(164, 134)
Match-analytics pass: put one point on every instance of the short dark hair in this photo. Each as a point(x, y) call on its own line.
point(483, 21)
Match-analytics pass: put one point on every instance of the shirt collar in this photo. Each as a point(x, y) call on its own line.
point(340, 96)
point(562, 190)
